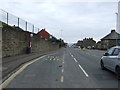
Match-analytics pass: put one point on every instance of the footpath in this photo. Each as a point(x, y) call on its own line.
point(11, 64)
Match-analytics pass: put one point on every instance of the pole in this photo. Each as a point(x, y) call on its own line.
point(116, 21)
point(38, 29)
point(33, 29)
point(119, 17)
point(61, 33)
point(26, 25)
point(116, 27)
point(7, 18)
point(18, 21)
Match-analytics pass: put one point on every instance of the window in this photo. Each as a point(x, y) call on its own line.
point(116, 51)
point(110, 51)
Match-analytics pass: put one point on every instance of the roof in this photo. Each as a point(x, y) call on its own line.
point(113, 35)
point(44, 34)
point(116, 47)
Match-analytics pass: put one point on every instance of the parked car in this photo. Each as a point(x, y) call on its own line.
point(84, 49)
point(111, 60)
point(77, 47)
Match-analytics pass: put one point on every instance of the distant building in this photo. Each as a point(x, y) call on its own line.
point(98, 45)
point(110, 40)
point(87, 43)
point(80, 43)
point(44, 34)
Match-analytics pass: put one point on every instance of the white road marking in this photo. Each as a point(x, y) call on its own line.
point(75, 59)
point(83, 70)
point(72, 55)
point(80, 66)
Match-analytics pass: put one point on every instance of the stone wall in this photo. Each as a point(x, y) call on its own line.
point(15, 41)
point(0, 41)
point(39, 44)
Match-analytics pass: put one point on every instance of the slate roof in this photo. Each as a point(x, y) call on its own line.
point(112, 36)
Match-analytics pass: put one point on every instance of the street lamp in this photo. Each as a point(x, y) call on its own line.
point(116, 26)
point(116, 21)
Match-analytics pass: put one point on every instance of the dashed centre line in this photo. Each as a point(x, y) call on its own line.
point(79, 66)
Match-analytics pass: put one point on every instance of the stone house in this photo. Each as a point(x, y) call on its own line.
point(110, 40)
point(87, 42)
point(98, 45)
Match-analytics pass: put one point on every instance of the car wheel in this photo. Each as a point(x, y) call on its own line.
point(118, 73)
point(102, 65)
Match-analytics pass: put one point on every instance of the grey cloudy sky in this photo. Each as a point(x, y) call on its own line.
point(76, 19)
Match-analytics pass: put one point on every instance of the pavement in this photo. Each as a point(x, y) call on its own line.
point(11, 64)
point(67, 68)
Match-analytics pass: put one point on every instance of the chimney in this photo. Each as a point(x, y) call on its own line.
point(113, 30)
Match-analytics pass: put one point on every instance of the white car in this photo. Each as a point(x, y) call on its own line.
point(111, 60)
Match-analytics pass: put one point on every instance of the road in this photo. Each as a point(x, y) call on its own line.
point(67, 68)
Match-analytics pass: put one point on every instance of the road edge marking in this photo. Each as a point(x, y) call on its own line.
point(7, 81)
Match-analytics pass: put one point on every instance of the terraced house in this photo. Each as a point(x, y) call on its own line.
point(110, 40)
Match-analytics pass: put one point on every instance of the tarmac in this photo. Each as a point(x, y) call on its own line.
point(12, 64)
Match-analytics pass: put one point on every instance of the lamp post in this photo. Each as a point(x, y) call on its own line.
point(116, 21)
point(116, 27)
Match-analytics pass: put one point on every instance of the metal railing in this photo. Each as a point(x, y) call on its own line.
point(18, 22)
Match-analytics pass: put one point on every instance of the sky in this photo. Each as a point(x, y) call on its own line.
point(71, 20)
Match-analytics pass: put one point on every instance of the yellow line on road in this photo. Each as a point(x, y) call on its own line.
point(62, 79)
point(7, 81)
point(62, 70)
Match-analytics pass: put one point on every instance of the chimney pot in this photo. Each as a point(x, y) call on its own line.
point(112, 31)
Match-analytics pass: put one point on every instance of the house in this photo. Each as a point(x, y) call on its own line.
point(44, 34)
point(110, 40)
point(87, 43)
point(80, 43)
point(98, 45)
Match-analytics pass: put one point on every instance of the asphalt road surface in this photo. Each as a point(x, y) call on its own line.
point(68, 68)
